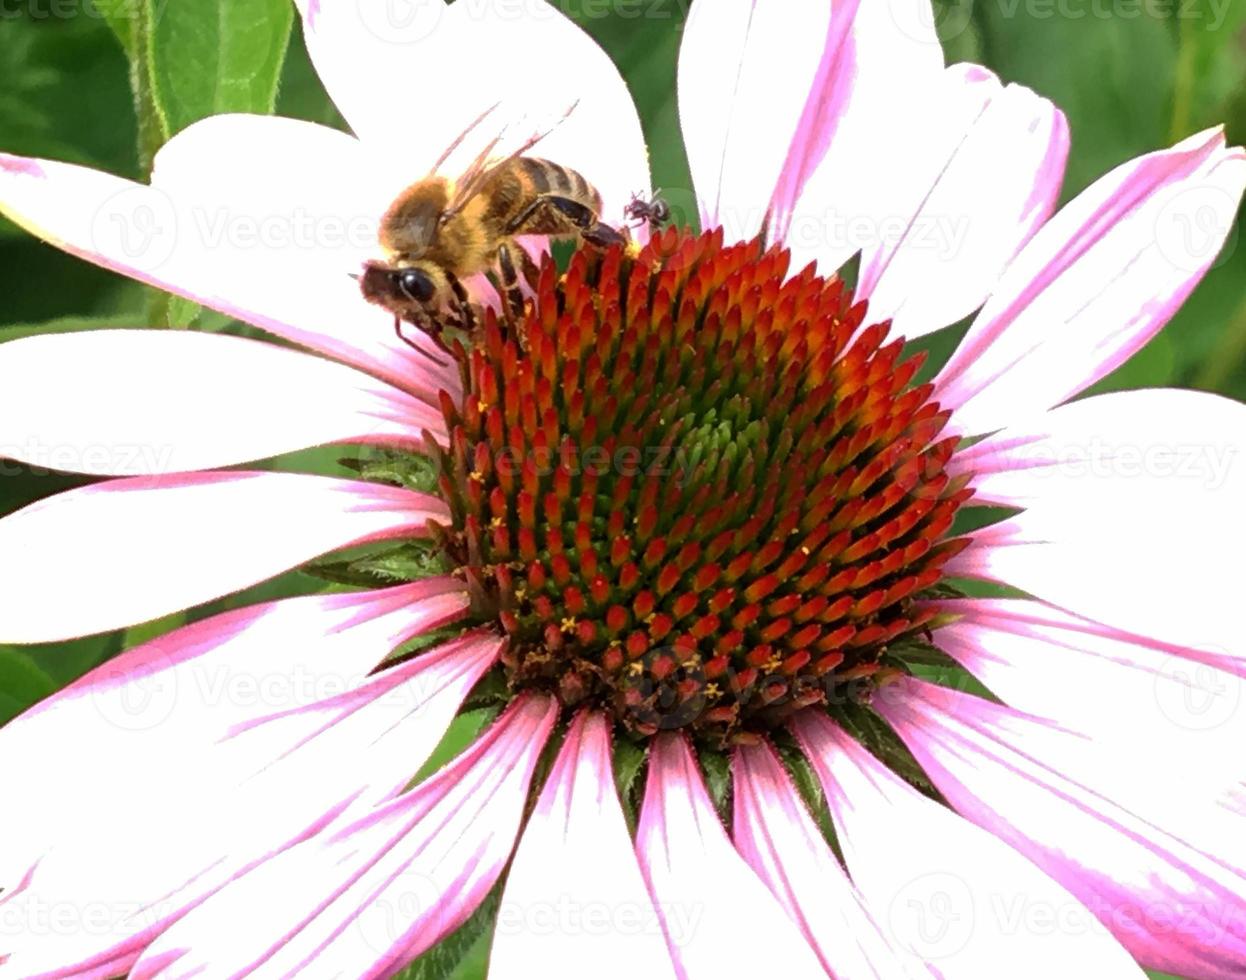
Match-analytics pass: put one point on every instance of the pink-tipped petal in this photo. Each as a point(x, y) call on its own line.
point(951, 893)
point(218, 745)
point(160, 407)
point(574, 893)
point(1181, 714)
point(1132, 501)
point(718, 916)
point(530, 67)
point(994, 175)
point(1169, 698)
point(746, 70)
point(1096, 283)
point(769, 90)
point(264, 258)
point(128, 551)
point(371, 897)
point(778, 838)
point(1177, 903)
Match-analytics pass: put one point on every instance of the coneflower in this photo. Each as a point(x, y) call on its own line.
point(693, 538)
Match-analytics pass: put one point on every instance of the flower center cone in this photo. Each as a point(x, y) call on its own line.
point(696, 493)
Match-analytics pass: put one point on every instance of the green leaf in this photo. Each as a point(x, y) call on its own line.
point(301, 96)
point(22, 682)
point(64, 92)
point(181, 313)
point(810, 789)
point(462, 732)
point(412, 471)
point(718, 779)
point(66, 662)
point(405, 562)
point(122, 17)
point(215, 56)
point(137, 635)
point(629, 759)
point(153, 127)
point(874, 733)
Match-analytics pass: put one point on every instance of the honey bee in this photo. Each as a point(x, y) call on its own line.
point(439, 231)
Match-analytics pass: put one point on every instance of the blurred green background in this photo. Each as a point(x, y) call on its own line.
point(81, 79)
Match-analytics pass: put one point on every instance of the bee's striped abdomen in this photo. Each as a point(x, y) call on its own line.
point(549, 178)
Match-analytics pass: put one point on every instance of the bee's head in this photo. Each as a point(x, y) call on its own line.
point(407, 291)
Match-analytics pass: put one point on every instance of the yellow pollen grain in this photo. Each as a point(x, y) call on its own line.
point(482, 406)
point(477, 476)
point(635, 667)
point(568, 625)
point(712, 690)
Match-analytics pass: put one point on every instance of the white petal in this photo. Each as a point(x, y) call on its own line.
point(769, 91)
point(709, 899)
point(128, 551)
point(988, 193)
point(778, 838)
point(746, 70)
point(951, 893)
point(259, 259)
point(574, 894)
point(1177, 905)
point(1096, 283)
point(1132, 501)
point(528, 63)
point(205, 807)
point(367, 899)
point(179, 401)
point(1162, 696)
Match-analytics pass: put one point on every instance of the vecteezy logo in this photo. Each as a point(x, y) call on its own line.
point(401, 21)
point(137, 699)
point(933, 915)
point(1197, 697)
point(944, 20)
point(1193, 225)
point(140, 225)
point(405, 900)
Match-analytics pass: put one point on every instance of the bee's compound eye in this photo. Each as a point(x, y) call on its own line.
point(417, 285)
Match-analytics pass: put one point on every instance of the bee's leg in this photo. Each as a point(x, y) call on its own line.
point(591, 228)
point(510, 284)
point(531, 271)
point(464, 309)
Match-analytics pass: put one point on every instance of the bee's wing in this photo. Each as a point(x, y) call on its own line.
point(477, 175)
point(471, 127)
